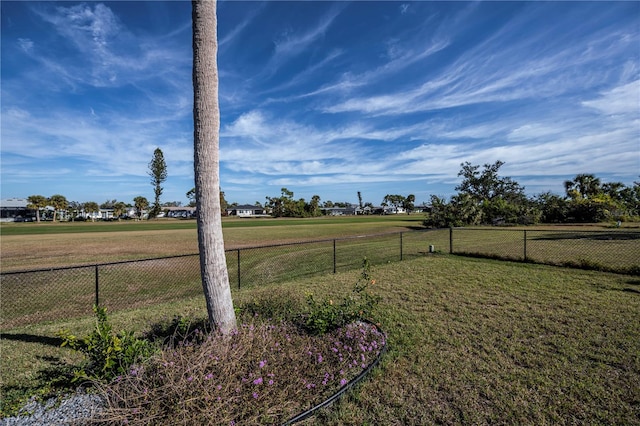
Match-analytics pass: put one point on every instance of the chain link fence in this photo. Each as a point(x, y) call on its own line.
point(614, 250)
point(30, 297)
point(36, 296)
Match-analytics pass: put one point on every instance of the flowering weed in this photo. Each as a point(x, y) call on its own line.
point(265, 373)
point(284, 359)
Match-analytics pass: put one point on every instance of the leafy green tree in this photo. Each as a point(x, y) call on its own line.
point(37, 202)
point(500, 199)
point(466, 209)
point(487, 184)
point(141, 204)
point(409, 203)
point(441, 214)
point(631, 199)
point(313, 208)
point(393, 200)
point(74, 208)
point(614, 189)
point(158, 173)
point(191, 196)
point(286, 206)
point(206, 136)
point(592, 201)
point(59, 203)
point(552, 207)
point(172, 204)
point(483, 197)
point(108, 204)
point(223, 201)
point(280, 206)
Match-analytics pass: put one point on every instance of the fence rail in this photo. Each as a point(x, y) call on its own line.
point(35, 296)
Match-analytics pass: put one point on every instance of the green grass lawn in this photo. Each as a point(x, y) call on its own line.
point(471, 341)
point(367, 222)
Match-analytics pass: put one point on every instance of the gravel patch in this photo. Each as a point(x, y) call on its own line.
point(70, 410)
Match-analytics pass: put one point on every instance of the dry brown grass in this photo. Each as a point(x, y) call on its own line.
point(47, 250)
point(54, 250)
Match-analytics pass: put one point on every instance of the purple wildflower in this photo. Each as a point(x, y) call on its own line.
point(258, 381)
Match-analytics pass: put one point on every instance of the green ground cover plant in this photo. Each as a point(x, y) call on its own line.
point(471, 341)
point(108, 353)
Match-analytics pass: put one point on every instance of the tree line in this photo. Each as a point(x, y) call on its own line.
point(60, 204)
point(485, 197)
point(287, 206)
point(157, 170)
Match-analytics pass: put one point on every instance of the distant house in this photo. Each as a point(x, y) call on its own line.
point(246, 211)
point(339, 211)
point(15, 210)
point(181, 212)
point(394, 210)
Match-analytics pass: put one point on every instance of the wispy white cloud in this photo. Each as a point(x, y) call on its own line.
point(623, 99)
point(528, 68)
point(25, 44)
point(97, 38)
point(112, 145)
point(292, 44)
point(306, 75)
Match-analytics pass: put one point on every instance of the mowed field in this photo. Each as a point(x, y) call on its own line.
point(26, 246)
point(471, 341)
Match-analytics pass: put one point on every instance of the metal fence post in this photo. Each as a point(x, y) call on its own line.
point(525, 244)
point(238, 269)
point(401, 246)
point(451, 240)
point(97, 287)
point(334, 256)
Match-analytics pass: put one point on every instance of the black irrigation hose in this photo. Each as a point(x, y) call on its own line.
point(346, 387)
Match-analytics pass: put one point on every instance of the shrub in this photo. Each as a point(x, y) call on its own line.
point(108, 354)
point(325, 316)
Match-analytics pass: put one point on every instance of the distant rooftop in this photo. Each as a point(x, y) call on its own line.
point(14, 202)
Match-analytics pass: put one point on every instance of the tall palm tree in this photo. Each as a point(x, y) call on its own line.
point(582, 186)
point(206, 132)
point(37, 202)
point(59, 203)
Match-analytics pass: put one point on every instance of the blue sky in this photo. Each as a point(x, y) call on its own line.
point(320, 97)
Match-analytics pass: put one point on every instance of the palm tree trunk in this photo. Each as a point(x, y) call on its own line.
point(206, 119)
